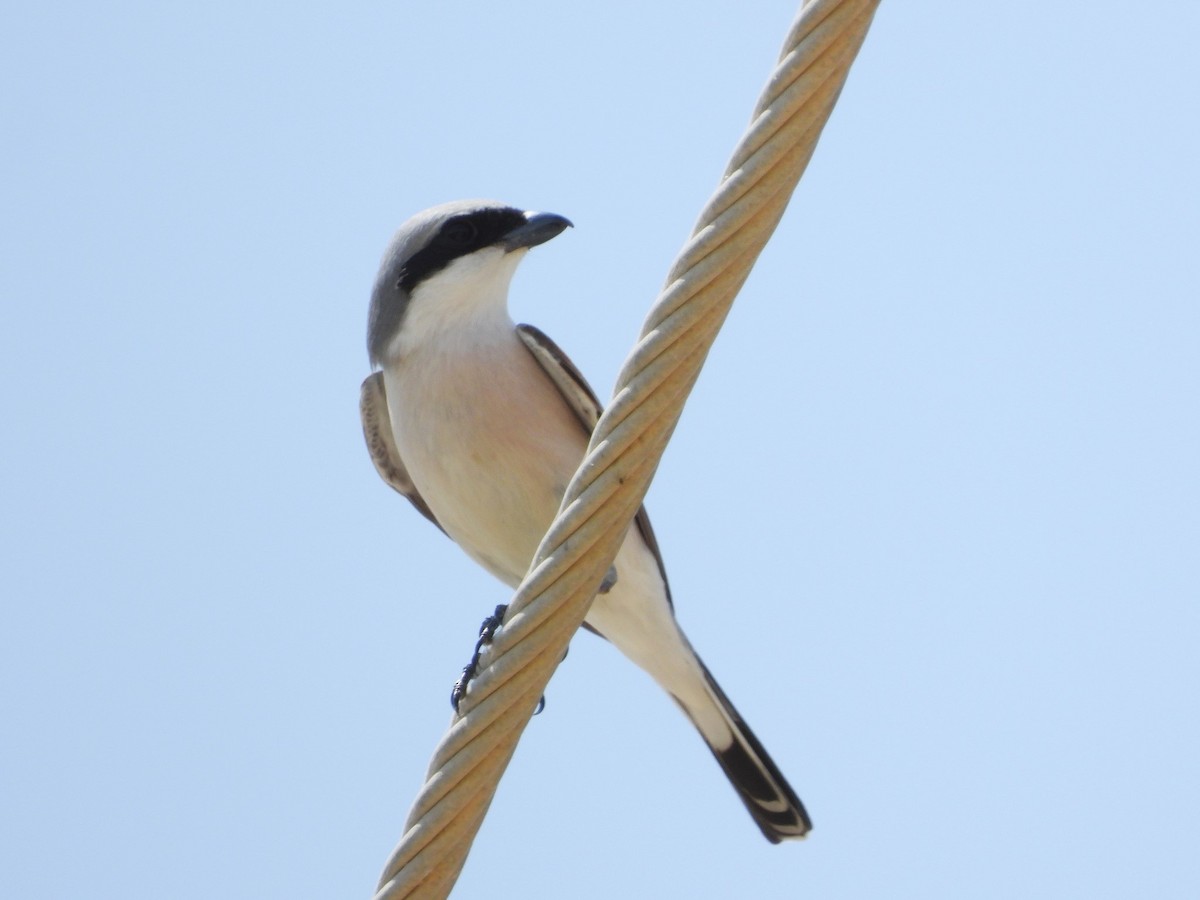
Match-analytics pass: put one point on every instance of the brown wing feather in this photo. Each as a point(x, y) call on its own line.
point(587, 408)
point(381, 444)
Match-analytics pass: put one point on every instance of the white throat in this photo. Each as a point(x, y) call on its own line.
point(466, 302)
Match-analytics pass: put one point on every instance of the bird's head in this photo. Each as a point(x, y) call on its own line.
point(448, 268)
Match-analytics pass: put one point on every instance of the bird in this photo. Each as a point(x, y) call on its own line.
point(481, 423)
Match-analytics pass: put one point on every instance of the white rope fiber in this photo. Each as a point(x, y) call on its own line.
point(625, 448)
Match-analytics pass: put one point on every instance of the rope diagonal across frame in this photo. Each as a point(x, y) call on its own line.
point(626, 447)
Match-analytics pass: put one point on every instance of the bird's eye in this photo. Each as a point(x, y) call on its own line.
point(460, 232)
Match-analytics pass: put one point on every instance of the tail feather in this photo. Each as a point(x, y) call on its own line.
point(767, 795)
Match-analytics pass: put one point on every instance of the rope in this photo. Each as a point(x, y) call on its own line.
point(625, 448)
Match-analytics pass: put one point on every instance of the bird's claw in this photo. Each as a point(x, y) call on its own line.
point(487, 631)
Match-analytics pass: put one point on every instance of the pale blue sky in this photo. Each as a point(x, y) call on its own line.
point(931, 514)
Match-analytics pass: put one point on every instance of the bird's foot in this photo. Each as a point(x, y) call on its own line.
point(487, 631)
point(610, 579)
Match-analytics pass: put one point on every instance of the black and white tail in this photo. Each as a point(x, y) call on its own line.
point(770, 800)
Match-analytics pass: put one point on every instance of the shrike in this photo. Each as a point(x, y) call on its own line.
point(481, 423)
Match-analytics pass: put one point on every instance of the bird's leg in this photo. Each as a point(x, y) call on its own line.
point(487, 631)
point(610, 578)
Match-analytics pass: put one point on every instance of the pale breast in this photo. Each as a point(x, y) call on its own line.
point(489, 443)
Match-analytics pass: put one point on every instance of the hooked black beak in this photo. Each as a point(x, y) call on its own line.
point(537, 229)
